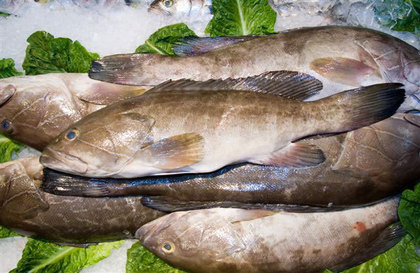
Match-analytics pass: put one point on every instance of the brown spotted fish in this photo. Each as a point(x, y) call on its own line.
point(361, 167)
point(202, 126)
point(36, 109)
point(341, 57)
point(70, 220)
point(261, 241)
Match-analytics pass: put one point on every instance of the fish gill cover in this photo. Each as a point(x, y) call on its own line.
point(46, 54)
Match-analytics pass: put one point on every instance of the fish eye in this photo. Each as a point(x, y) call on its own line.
point(6, 125)
point(72, 134)
point(167, 3)
point(168, 248)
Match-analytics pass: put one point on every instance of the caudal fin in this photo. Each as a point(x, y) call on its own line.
point(127, 69)
point(361, 107)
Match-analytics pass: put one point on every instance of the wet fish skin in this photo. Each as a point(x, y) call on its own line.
point(38, 108)
point(66, 220)
point(181, 8)
point(361, 167)
point(378, 58)
point(235, 240)
point(136, 137)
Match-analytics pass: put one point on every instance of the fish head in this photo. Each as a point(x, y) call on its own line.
point(171, 7)
point(190, 239)
point(397, 61)
point(19, 188)
point(31, 109)
point(98, 145)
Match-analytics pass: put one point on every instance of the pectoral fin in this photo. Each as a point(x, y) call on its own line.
point(344, 70)
point(174, 152)
point(102, 93)
point(295, 155)
point(386, 239)
point(288, 84)
point(6, 93)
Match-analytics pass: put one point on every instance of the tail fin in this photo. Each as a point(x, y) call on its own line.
point(127, 69)
point(362, 106)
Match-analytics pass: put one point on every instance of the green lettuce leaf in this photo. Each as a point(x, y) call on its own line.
point(4, 233)
point(39, 256)
point(4, 14)
point(409, 212)
point(140, 260)
point(163, 40)
point(241, 17)
point(7, 148)
point(7, 68)
point(402, 258)
point(400, 15)
point(46, 54)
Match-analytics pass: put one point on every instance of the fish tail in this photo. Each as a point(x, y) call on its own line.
point(363, 106)
point(126, 69)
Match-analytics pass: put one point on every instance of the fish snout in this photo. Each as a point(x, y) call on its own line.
point(62, 162)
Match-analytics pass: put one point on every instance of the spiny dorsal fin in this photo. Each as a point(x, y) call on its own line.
point(192, 46)
point(288, 84)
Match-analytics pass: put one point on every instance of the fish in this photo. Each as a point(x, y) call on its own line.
point(181, 7)
point(238, 240)
point(361, 167)
point(29, 211)
point(34, 110)
point(340, 57)
point(183, 127)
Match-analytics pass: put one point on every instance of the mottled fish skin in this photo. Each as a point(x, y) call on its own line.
point(200, 131)
point(235, 240)
point(179, 8)
point(341, 57)
point(36, 109)
point(361, 167)
point(67, 220)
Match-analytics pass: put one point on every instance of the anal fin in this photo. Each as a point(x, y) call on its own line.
point(174, 152)
point(297, 155)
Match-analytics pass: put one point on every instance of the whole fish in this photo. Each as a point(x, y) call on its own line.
point(36, 109)
point(237, 240)
point(70, 220)
point(181, 7)
point(361, 167)
point(341, 57)
point(202, 130)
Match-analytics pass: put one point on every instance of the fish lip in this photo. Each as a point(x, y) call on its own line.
point(60, 161)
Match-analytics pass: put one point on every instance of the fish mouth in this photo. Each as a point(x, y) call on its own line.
point(63, 162)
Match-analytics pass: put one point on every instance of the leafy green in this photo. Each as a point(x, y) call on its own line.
point(4, 233)
point(402, 15)
point(7, 148)
point(4, 14)
point(402, 258)
point(46, 54)
point(163, 40)
point(140, 260)
point(39, 256)
point(241, 17)
point(409, 212)
point(7, 68)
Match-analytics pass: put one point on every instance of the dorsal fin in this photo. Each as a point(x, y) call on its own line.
point(289, 84)
point(192, 46)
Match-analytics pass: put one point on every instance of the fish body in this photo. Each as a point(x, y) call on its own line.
point(35, 109)
point(236, 240)
point(341, 57)
point(361, 167)
point(181, 8)
point(193, 131)
point(68, 220)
